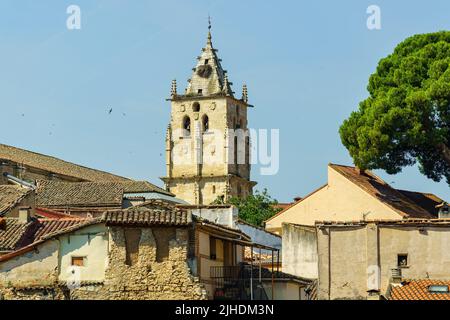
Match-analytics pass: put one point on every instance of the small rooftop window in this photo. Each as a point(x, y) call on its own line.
point(438, 289)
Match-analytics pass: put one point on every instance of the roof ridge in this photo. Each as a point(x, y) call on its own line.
point(384, 183)
point(56, 159)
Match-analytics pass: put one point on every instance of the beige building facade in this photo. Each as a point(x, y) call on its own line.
point(207, 141)
point(350, 195)
point(360, 260)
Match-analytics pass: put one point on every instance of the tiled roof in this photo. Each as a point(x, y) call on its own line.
point(16, 234)
point(379, 189)
point(44, 213)
point(142, 216)
point(78, 194)
point(12, 233)
point(41, 231)
point(55, 165)
point(142, 187)
point(418, 290)
point(11, 195)
point(428, 201)
point(89, 194)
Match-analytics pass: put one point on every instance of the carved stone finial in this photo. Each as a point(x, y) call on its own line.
point(226, 85)
point(244, 93)
point(173, 91)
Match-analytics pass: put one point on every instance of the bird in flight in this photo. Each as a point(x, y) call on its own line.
point(110, 111)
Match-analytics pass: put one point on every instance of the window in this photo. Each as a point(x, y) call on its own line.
point(212, 248)
point(213, 189)
point(196, 105)
point(187, 126)
point(78, 261)
point(206, 61)
point(205, 122)
point(200, 91)
point(402, 260)
point(132, 240)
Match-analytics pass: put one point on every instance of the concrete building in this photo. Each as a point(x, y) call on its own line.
point(367, 259)
point(352, 194)
point(207, 142)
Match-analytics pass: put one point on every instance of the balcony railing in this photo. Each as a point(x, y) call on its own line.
point(237, 283)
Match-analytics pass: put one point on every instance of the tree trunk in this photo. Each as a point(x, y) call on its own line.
point(445, 152)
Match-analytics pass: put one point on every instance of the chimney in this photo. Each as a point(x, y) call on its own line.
point(444, 210)
point(24, 214)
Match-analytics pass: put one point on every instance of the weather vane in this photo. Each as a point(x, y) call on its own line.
point(209, 22)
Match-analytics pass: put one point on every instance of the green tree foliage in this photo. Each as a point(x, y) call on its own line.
point(406, 118)
point(256, 208)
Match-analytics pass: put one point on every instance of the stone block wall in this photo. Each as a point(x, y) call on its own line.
point(146, 278)
point(143, 274)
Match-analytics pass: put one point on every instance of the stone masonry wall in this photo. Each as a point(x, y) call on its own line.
point(144, 279)
point(147, 279)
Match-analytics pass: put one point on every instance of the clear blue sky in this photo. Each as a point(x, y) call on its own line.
point(306, 64)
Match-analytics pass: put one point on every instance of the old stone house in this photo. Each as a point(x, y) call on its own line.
point(352, 194)
point(151, 251)
point(138, 254)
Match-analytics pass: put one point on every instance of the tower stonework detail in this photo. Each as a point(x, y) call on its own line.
point(207, 140)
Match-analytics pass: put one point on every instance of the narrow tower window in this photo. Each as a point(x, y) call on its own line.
point(205, 121)
point(206, 61)
point(187, 126)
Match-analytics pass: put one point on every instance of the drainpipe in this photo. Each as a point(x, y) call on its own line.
point(251, 274)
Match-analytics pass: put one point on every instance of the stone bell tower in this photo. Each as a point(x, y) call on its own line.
point(207, 141)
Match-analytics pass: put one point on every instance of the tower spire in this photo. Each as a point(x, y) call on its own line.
point(209, 31)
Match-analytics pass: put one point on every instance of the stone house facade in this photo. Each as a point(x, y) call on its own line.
point(140, 253)
point(114, 257)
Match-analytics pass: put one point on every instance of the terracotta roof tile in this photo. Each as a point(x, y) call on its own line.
point(17, 234)
point(418, 290)
point(55, 165)
point(143, 216)
point(10, 196)
point(379, 189)
point(78, 194)
point(428, 201)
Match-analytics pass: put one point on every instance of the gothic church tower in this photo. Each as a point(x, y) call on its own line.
point(207, 142)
